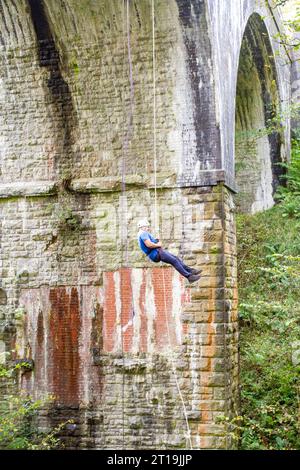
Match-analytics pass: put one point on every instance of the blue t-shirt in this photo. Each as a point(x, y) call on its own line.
point(151, 252)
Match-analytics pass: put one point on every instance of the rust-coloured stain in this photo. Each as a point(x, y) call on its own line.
point(64, 363)
point(127, 308)
point(110, 318)
point(40, 350)
point(164, 326)
point(138, 310)
point(144, 323)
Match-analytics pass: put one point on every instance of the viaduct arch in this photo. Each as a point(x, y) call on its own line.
point(259, 150)
point(137, 358)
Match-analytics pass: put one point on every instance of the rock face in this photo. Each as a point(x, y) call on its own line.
point(138, 358)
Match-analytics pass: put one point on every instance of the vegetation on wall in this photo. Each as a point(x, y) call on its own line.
point(291, 14)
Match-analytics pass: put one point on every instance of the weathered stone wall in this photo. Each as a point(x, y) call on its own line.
point(60, 63)
point(258, 148)
point(227, 24)
point(129, 350)
point(71, 325)
point(295, 80)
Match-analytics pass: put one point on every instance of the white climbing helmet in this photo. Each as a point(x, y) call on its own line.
point(143, 223)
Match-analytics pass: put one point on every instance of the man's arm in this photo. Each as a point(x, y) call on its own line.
point(149, 244)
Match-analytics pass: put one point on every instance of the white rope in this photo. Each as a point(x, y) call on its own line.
point(123, 233)
point(124, 151)
point(174, 367)
point(156, 222)
point(127, 135)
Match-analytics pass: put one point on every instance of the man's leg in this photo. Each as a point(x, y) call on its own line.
point(187, 268)
point(168, 258)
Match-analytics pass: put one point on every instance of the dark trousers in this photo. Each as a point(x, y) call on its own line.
point(177, 263)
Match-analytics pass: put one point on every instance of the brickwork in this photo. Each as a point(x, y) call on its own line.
point(141, 310)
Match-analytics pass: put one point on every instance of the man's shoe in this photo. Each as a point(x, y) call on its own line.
point(193, 278)
point(196, 271)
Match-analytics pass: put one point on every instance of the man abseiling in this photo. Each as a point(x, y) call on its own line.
point(152, 247)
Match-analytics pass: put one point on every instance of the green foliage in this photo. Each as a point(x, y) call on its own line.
point(248, 138)
point(8, 371)
point(290, 195)
point(75, 67)
point(291, 204)
point(269, 312)
point(67, 220)
point(5, 372)
point(18, 419)
point(287, 36)
point(18, 429)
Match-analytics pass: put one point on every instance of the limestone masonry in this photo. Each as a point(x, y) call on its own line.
point(138, 358)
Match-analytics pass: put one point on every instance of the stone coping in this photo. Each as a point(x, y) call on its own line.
point(108, 184)
point(27, 188)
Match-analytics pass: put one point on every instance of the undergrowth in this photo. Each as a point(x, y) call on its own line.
point(269, 313)
point(19, 429)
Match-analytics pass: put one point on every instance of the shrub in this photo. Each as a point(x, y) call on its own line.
point(269, 315)
point(18, 421)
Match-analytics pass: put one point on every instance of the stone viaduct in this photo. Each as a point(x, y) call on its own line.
point(135, 356)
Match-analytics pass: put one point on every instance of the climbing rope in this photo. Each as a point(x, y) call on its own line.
point(123, 231)
point(174, 366)
point(156, 221)
point(127, 133)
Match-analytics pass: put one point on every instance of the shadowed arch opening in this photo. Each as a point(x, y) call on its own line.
point(258, 139)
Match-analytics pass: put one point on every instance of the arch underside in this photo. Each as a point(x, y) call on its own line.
point(258, 138)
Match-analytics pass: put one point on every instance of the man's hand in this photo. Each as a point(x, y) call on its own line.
point(158, 245)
